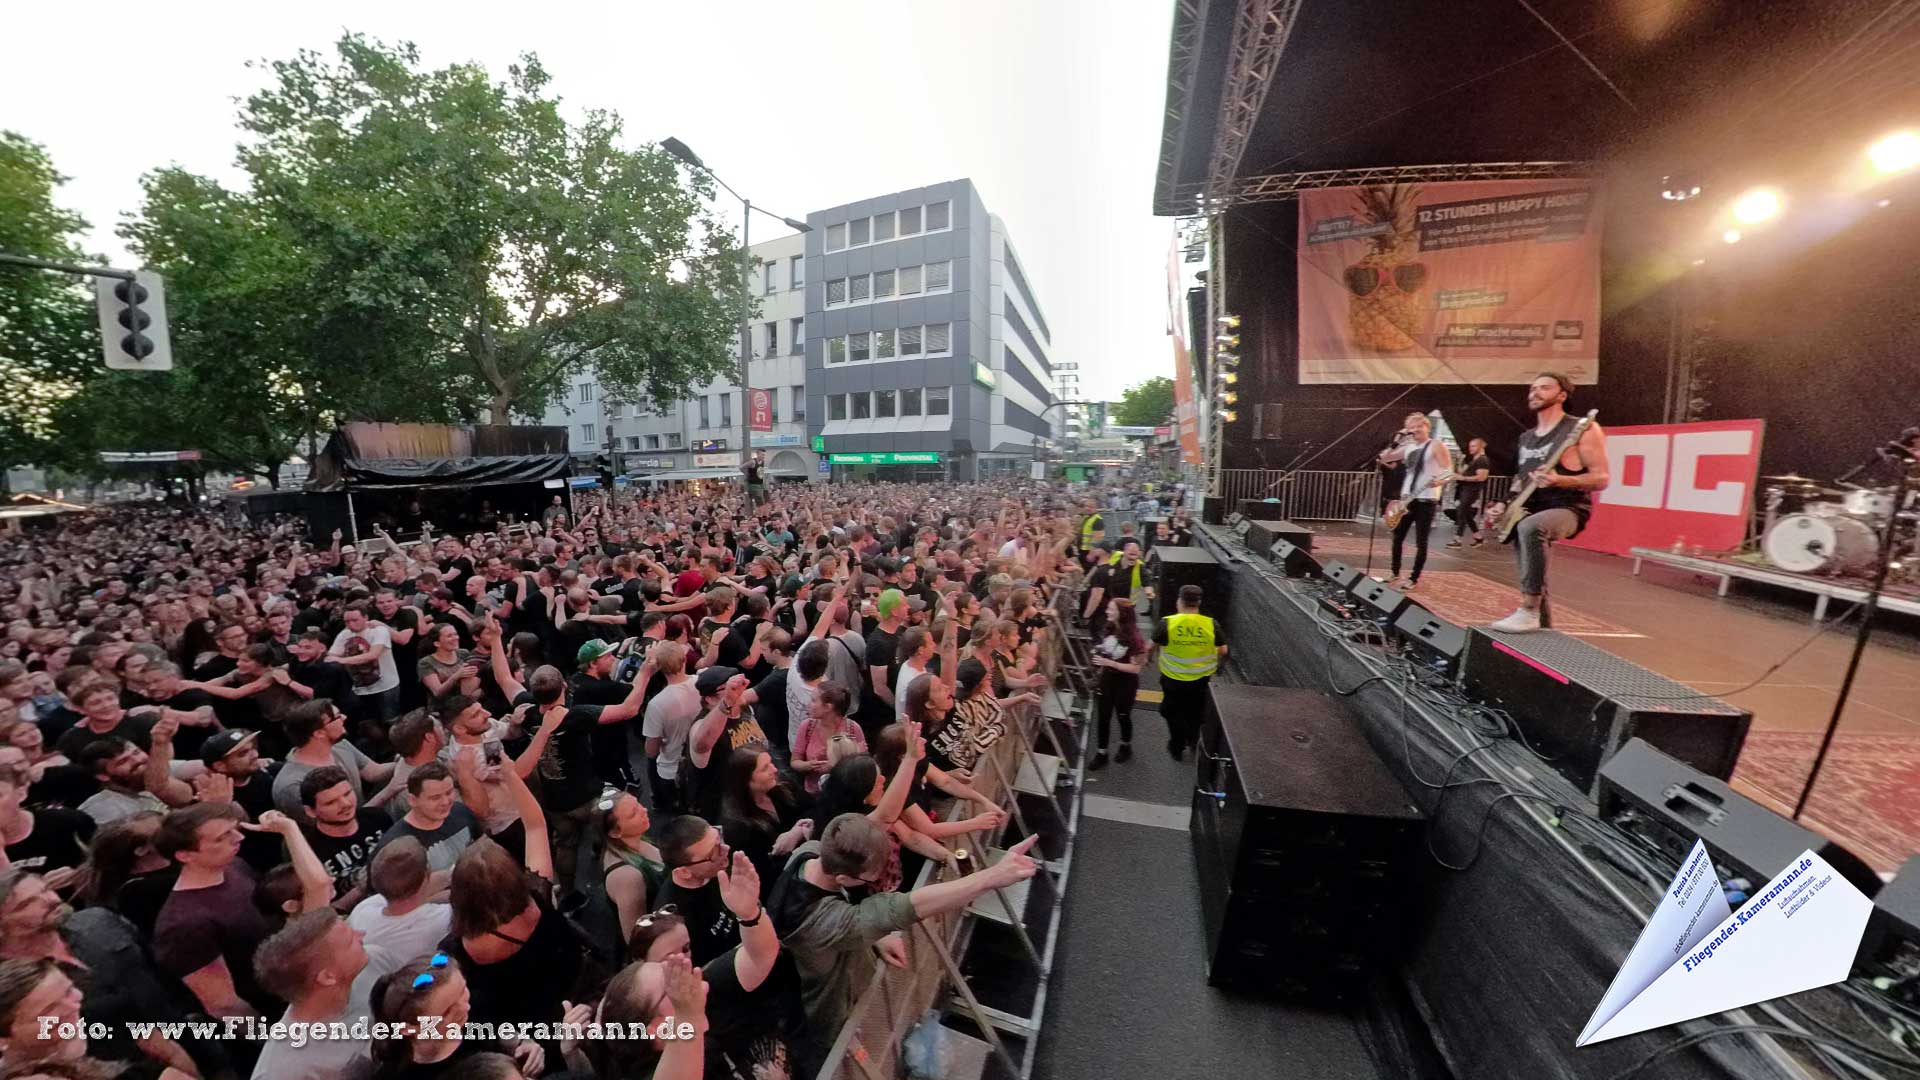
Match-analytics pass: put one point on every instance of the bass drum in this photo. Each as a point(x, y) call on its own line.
point(1812, 544)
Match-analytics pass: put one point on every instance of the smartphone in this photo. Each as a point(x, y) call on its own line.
point(494, 752)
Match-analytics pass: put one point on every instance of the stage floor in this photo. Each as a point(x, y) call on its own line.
point(1868, 796)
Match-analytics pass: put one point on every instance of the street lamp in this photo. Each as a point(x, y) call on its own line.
point(685, 154)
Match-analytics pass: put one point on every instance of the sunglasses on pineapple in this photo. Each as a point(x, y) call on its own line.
point(1407, 277)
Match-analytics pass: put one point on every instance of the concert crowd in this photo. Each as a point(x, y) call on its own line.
point(675, 762)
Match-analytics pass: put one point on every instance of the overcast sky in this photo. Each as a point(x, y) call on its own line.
point(1052, 107)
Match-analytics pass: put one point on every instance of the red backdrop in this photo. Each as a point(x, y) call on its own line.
point(760, 407)
point(1688, 483)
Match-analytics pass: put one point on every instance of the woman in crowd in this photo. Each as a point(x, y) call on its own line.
point(442, 669)
point(630, 865)
point(759, 815)
point(429, 1000)
point(124, 872)
point(1119, 656)
point(826, 720)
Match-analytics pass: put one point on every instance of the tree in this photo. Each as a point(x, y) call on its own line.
point(522, 247)
point(49, 339)
point(1150, 404)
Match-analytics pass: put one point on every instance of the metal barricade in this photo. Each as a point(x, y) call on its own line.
point(1325, 494)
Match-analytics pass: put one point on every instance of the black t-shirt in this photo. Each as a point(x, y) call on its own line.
point(567, 778)
point(758, 1032)
point(770, 704)
point(133, 727)
point(454, 573)
point(1474, 465)
point(632, 596)
point(738, 643)
point(881, 647)
point(348, 857)
point(327, 680)
point(711, 928)
point(576, 633)
point(57, 723)
point(609, 740)
point(406, 657)
point(529, 986)
point(58, 840)
point(710, 781)
point(187, 740)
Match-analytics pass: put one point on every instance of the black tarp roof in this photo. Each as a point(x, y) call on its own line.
point(374, 456)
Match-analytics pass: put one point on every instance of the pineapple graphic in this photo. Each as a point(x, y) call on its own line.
point(1383, 309)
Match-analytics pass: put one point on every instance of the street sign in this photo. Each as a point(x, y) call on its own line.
point(826, 466)
point(984, 375)
point(927, 457)
point(133, 322)
point(819, 444)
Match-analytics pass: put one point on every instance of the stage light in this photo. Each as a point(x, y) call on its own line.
point(1228, 397)
point(1231, 322)
point(1731, 236)
point(1678, 188)
point(1756, 206)
point(1699, 262)
point(1229, 377)
point(1227, 359)
point(1231, 341)
point(1884, 203)
point(1229, 415)
point(1897, 152)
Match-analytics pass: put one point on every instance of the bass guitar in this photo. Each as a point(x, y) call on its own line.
point(1516, 508)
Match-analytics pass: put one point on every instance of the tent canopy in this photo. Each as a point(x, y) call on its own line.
point(374, 456)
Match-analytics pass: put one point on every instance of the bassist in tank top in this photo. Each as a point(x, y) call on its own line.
point(1563, 501)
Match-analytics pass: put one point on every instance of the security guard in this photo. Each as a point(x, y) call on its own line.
point(1191, 647)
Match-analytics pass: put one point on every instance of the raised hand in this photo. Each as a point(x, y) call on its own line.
point(740, 887)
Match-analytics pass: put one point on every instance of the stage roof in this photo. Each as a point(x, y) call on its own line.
point(1367, 83)
point(372, 456)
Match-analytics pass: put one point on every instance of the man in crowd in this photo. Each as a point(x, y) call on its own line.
point(318, 732)
point(343, 834)
point(435, 819)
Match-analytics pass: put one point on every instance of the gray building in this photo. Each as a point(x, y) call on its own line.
point(926, 350)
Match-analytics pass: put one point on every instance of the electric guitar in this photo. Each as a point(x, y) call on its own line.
point(1397, 509)
point(1517, 505)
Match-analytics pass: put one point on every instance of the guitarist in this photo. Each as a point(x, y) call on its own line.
point(1428, 463)
point(1563, 500)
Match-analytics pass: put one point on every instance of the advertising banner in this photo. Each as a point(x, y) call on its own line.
point(760, 406)
point(1500, 279)
point(1690, 484)
point(1186, 419)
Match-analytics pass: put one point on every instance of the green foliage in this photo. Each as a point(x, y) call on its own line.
point(1150, 404)
point(49, 340)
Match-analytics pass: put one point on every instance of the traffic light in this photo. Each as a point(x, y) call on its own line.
point(1096, 419)
point(133, 322)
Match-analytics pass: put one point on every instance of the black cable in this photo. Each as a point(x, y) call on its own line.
point(1807, 1015)
point(1776, 1030)
point(1479, 836)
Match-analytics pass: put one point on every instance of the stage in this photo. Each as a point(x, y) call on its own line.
point(1672, 623)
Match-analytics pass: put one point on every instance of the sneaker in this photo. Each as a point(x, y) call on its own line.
point(1099, 761)
point(1125, 753)
point(1520, 622)
point(1412, 584)
point(1453, 543)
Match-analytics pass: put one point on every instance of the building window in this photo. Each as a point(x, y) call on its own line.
point(909, 341)
point(883, 404)
point(726, 410)
point(882, 284)
point(836, 237)
point(939, 276)
point(706, 421)
point(938, 338)
point(587, 435)
point(836, 292)
point(586, 393)
point(653, 442)
point(673, 440)
point(837, 350)
point(799, 403)
point(796, 336)
point(773, 339)
point(857, 233)
point(910, 401)
point(857, 347)
point(909, 280)
point(910, 221)
point(773, 406)
point(796, 271)
point(937, 400)
point(882, 227)
point(862, 405)
point(836, 406)
point(857, 289)
point(938, 216)
point(766, 272)
point(883, 345)
point(633, 442)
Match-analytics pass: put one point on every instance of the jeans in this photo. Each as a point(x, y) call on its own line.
point(1419, 518)
point(1531, 539)
point(567, 828)
point(1117, 691)
point(1467, 517)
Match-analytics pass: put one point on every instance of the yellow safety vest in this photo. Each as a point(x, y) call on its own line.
point(1087, 529)
point(1190, 652)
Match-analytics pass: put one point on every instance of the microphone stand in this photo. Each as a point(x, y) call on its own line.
point(1866, 621)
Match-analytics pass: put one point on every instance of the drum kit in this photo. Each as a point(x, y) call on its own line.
point(1814, 528)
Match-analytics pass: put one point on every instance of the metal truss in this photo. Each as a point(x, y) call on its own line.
point(1260, 32)
point(1279, 187)
point(1189, 21)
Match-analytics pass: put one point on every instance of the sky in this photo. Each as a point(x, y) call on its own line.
point(1051, 107)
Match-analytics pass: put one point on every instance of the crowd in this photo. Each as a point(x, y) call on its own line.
point(680, 764)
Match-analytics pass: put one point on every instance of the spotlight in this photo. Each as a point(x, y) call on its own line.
point(1884, 203)
point(1678, 188)
point(1897, 152)
point(1731, 236)
point(1231, 322)
point(1756, 206)
point(1229, 415)
point(1229, 377)
point(1228, 397)
point(1699, 262)
point(1231, 341)
point(1227, 359)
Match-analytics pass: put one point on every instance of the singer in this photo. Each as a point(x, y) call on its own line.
point(1428, 465)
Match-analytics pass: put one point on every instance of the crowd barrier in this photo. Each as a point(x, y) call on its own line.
point(1027, 761)
point(1324, 495)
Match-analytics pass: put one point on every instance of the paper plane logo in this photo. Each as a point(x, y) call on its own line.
point(1698, 957)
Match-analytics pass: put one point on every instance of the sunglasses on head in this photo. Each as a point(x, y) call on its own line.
point(653, 916)
point(426, 978)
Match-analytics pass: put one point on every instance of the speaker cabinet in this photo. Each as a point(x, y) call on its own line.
point(1173, 567)
point(1347, 577)
point(1260, 510)
point(1295, 561)
point(1382, 601)
point(1260, 538)
point(1439, 644)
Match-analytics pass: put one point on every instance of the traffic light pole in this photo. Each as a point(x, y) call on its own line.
point(64, 268)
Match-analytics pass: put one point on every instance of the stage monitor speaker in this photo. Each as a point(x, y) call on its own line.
point(1213, 510)
point(1745, 838)
point(1305, 843)
point(1259, 538)
point(1262, 510)
point(1171, 567)
point(1297, 535)
point(1295, 561)
point(1347, 577)
point(1577, 704)
point(1896, 914)
point(1437, 643)
point(1382, 600)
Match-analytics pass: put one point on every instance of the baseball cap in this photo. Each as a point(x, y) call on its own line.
point(222, 743)
point(710, 680)
point(792, 585)
point(591, 651)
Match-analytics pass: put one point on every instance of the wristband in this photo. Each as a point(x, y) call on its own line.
point(755, 921)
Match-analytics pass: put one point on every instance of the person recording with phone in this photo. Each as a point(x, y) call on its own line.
point(1427, 465)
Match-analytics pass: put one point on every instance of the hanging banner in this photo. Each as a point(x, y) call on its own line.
point(1500, 279)
point(1686, 484)
point(760, 406)
point(1186, 420)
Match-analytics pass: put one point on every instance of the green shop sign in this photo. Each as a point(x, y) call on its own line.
point(983, 375)
point(929, 457)
point(819, 444)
